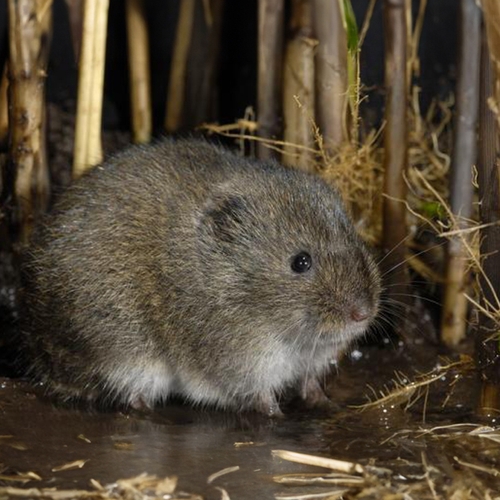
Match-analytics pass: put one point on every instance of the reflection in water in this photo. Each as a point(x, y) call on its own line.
point(193, 444)
point(172, 440)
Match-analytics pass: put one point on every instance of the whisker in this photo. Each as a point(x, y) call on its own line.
point(430, 301)
point(412, 256)
point(394, 248)
point(413, 282)
point(393, 303)
point(394, 319)
point(386, 319)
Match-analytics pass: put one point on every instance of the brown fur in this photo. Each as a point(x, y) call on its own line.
point(167, 270)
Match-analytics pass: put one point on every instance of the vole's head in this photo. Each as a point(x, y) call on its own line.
point(278, 251)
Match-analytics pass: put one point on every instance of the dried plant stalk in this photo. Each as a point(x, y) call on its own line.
point(455, 303)
point(177, 84)
point(492, 22)
point(414, 39)
point(327, 463)
point(331, 71)
point(488, 352)
point(298, 90)
point(75, 14)
point(453, 324)
point(88, 148)
point(142, 487)
point(29, 37)
point(269, 72)
point(201, 83)
point(140, 86)
point(4, 108)
point(396, 147)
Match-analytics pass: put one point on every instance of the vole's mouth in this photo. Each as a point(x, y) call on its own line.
point(346, 334)
point(328, 334)
point(353, 324)
point(333, 338)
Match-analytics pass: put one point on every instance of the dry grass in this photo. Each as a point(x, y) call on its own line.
point(405, 480)
point(142, 487)
point(405, 391)
point(356, 170)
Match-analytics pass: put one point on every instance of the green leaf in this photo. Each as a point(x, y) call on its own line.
point(350, 26)
point(432, 209)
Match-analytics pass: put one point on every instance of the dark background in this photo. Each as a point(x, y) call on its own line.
point(236, 79)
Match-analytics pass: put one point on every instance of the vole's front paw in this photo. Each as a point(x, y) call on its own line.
point(139, 403)
point(269, 406)
point(314, 396)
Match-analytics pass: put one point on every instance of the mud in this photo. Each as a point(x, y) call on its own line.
point(194, 443)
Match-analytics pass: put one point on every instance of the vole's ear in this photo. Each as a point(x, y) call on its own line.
point(223, 216)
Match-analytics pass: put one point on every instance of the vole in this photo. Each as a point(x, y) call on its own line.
point(180, 268)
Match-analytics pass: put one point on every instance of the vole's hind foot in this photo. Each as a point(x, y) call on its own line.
point(139, 403)
point(268, 405)
point(71, 396)
point(314, 396)
point(68, 396)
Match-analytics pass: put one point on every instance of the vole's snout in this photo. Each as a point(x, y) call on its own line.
point(361, 309)
point(360, 312)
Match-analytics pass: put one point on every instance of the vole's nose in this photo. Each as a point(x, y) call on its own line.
point(360, 312)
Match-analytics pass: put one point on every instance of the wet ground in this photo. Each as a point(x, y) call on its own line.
point(193, 444)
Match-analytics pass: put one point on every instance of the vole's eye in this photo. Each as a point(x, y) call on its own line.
point(301, 263)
